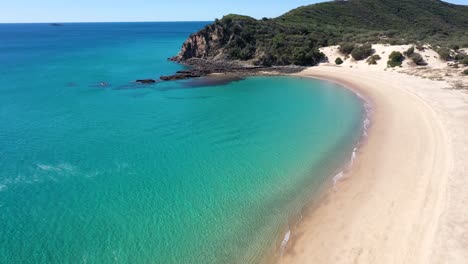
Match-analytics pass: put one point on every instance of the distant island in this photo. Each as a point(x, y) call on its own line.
point(296, 37)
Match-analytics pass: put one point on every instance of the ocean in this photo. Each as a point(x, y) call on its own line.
point(95, 168)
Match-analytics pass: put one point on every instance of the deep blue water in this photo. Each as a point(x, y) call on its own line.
point(164, 173)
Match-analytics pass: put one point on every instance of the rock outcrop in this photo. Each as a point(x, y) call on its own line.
point(205, 44)
point(146, 81)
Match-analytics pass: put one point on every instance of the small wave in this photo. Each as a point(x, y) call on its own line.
point(285, 241)
point(46, 167)
point(353, 157)
point(366, 123)
point(3, 187)
point(337, 178)
point(63, 167)
point(367, 120)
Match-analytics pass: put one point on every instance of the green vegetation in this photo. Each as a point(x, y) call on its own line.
point(346, 48)
point(362, 52)
point(444, 54)
point(465, 72)
point(461, 58)
point(464, 61)
point(455, 47)
point(389, 21)
point(372, 60)
point(245, 38)
point(295, 37)
point(395, 59)
point(338, 61)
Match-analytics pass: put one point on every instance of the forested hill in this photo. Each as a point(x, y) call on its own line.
point(294, 38)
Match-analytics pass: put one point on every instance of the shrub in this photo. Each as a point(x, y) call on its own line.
point(418, 59)
point(304, 57)
point(464, 61)
point(455, 47)
point(409, 52)
point(459, 56)
point(444, 54)
point(346, 48)
point(420, 47)
point(362, 52)
point(373, 59)
point(338, 61)
point(465, 72)
point(395, 59)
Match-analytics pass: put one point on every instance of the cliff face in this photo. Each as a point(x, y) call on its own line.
point(205, 44)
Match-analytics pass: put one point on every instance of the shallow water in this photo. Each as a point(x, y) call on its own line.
point(97, 169)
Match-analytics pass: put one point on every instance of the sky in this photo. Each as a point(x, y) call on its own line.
point(26, 11)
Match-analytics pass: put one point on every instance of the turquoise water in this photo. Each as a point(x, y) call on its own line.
point(167, 173)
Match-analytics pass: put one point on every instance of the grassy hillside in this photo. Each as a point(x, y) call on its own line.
point(294, 38)
point(401, 21)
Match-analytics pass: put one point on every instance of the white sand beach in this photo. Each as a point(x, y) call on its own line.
point(405, 198)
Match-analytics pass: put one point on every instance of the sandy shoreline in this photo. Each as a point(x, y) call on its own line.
point(402, 201)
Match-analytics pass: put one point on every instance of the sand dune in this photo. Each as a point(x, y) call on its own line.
point(404, 200)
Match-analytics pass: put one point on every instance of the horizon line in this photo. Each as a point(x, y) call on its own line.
point(89, 22)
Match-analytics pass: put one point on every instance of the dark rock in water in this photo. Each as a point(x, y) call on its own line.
point(146, 81)
point(56, 24)
point(205, 67)
point(186, 74)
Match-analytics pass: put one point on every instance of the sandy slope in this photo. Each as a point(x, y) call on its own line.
point(405, 199)
point(436, 69)
point(384, 50)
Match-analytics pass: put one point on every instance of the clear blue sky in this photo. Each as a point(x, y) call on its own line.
point(12, 11)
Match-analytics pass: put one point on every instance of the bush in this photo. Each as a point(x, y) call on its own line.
point(347, 48)
point(409, 52)
point(459, 56)
point(420, 47)
point(362, 52)
point(304, 57)
point(338, 61)
point(464, 61)
point(455, 47)
point(465, 72)
point(418, 59)
point(395, 59)
point(444, 54)
point(373, 59)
